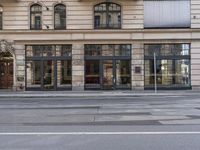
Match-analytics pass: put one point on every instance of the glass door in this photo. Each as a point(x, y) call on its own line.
point(123, 74)
point(48, 75)
point(107, 74)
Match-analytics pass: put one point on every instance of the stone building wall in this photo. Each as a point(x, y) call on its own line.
point(79, 14)
point(137, 61)
point(19, 67)
point(78, 67)
point(195, 65)
point(80, 31)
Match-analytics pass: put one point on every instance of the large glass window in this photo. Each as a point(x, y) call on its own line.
point(48, 67)
point(60, 17)
point(107, 66)
point(123, 73)
point(107, 16)
point(92, 50)
point(64, 73)
point(92, 73)
point(36, 17)
point(172, 65)
point(108, 50)
point(1, 18)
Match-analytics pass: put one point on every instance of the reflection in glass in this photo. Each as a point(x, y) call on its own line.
point(150, 49)
point(92, 50)
point(37, 50)
point(54, 66)
point(36, 16)
point(64, 73)
point(122, 50)
point(108, 74)
point(63, 50)
point(169, 72)
point(48, 74)
point(107, 15)
point(33, 77)
point(181, 49)
point(163, 70)
point(167, 49)
point(92, 74)
point(48, 50)
point(123, 73)
point(172, 65)
point(182, 72)
point(66, 50)
point(60, 16)
point(107, 50)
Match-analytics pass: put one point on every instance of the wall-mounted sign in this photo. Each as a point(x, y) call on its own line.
point(20, 78)
point(138, 70)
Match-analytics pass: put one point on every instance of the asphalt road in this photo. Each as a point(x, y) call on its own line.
point(100, 123)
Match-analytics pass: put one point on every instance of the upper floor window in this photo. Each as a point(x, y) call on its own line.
point(107, 16)
point(36, 17)
point(167, 13)
point(60, 16)
point(1, 18)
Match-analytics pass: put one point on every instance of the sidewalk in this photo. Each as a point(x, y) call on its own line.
point(96, 93)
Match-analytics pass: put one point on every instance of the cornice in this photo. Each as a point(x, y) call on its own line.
point(92, 31)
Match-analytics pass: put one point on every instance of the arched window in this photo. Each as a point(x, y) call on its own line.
point(60, 16)
point(36, 17)
point(107, 16)
point(1, 18)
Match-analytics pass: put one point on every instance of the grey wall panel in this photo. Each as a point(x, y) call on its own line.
point(166, 13)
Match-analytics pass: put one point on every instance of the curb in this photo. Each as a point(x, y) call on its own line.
point(85, 95)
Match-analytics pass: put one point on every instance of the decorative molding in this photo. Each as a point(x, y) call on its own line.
point(5, 46)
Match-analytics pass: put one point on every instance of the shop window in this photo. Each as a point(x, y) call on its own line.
point(107, 66)
point(123, 73)
point(48, 67)
point(92, 50)
point(60, 17)
point(172, 65)
point(122, 50)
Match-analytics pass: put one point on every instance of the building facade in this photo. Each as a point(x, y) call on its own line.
point(99, 44)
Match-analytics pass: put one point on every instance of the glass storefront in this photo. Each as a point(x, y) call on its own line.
point(123, 73)
point(172, 66)
point(108, 66)
point(48, 67)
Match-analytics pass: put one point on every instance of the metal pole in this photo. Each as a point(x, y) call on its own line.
point(155, 74)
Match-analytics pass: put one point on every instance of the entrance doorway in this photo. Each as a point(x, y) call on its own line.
point(107, 74)
point(48, 75)
point(6, 70)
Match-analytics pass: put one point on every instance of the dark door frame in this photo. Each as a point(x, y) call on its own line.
point(8, 73)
